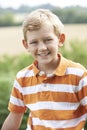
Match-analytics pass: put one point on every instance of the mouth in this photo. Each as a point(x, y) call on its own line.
point(43, 54)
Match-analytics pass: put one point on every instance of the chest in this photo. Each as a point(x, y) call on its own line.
point(52, 92)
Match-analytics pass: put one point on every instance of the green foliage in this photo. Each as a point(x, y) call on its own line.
point(9, 65)
point(67, 15)
point(7, 19)
point(72, 14)
point(5, 88)
point(76, 51)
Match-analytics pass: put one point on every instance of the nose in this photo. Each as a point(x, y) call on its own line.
point(42, 46)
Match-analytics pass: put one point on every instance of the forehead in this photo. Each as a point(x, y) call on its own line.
point(45, 30)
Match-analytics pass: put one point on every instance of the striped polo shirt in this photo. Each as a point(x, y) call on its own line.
point(57, 101)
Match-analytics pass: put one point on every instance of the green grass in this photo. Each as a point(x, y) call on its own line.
point(76, 51)
point(9, 66)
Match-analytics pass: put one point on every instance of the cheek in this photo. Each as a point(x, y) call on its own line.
point(54, 47)
point(32, 50)
point(28, 49)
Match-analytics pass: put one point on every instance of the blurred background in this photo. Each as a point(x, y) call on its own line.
point(73, 14)
point(14, 57)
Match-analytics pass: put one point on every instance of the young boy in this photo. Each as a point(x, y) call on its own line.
point(53, 88)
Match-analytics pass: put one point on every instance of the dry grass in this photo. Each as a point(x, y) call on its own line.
point(11, 40)
point(11, 37)
point(76, 31)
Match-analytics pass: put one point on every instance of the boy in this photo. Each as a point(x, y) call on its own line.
point(53, 88)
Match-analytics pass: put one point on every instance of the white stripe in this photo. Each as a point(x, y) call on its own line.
point(49, 87)
point(53, 106)
point(84, 101)
point(16, 101)
point(59, 124)
point(83, 82)
point(28, 127)
point(75, 71)
point(17, 86)
point(52, 87)
point(25, 73)
point(55, 87)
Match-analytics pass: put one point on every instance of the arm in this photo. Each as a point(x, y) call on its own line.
point(13, 121)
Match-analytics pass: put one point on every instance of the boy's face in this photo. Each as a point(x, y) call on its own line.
point(43, 44)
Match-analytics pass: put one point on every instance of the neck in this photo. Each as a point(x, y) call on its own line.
point(49, 68)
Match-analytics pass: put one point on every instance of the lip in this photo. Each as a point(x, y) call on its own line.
point(44, 54)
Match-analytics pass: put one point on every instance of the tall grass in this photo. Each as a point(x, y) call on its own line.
point(76, 51)
point(10, 65)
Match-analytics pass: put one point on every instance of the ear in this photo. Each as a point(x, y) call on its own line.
point(61, 39)
point(25, 43)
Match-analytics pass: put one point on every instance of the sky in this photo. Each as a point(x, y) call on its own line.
point(60, 3)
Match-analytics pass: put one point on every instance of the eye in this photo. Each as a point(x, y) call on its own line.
point(48, 40)
point(33, 42)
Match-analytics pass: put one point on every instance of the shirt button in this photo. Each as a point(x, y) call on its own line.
point(45, 85)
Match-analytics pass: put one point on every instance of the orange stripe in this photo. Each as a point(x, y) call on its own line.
point(15, 108)
point(82, 93)
point(66, 79)
point(50, 96)
point(30, 81)
point(16, 93)
point(58, 114)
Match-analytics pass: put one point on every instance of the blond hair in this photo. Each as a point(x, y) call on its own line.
point(37, 18)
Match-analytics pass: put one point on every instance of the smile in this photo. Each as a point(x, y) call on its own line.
point(44, 54)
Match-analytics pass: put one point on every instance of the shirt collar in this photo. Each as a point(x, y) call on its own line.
point(61, 69)
point(62, 66)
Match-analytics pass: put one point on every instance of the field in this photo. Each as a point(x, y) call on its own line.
point(11, 37)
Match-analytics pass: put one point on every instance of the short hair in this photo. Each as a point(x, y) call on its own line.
point(37, 18)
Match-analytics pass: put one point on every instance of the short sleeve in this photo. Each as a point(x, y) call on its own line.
point(16, 103)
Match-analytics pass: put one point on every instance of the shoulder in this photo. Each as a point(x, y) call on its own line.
point(75, 65)
point(75, 68)
point(25, 72)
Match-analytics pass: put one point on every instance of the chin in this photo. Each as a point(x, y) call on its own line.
point(44, 61)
